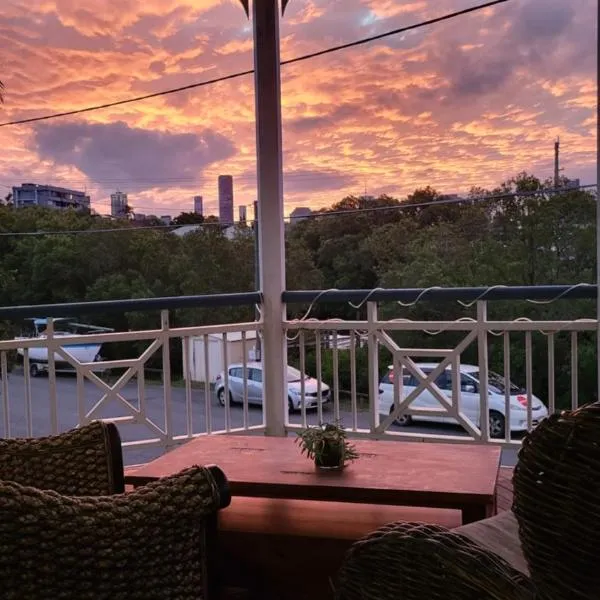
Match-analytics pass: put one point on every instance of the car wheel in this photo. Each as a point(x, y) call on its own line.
point(497, 424)
point(290, 405)
point(402, 420)
point(221, 397)
point(34, 370)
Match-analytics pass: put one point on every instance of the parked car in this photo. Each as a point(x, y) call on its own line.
point(254, 379)
point(469, 399)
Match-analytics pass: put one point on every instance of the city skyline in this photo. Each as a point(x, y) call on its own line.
point(467, 103)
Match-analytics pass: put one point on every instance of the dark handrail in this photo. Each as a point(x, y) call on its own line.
point(132, 304)
point(464, 294)
point(579, 291)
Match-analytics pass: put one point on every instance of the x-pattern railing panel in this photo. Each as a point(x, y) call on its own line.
point(426, 382)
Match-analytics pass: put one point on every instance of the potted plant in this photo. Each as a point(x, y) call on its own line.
point(328, 445)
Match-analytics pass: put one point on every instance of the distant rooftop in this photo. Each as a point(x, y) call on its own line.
point(299, 213)
point(185, 229)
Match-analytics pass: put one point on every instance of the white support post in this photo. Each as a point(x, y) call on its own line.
point(373, 361)
point(265, 16)
point(598, 204)
point(482, 349)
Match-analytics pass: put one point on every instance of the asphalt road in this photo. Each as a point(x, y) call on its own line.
point(68, 413)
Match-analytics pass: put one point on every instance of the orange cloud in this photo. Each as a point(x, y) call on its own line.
point(469, 102)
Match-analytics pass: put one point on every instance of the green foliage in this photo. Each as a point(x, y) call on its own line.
point(188, 218)
point(539, 238)
point(519, 235)
point(344, 368)
point(132, 263)
point(325, 442)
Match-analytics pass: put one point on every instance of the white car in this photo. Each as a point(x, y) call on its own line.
point(254, 386)
point(469, 399)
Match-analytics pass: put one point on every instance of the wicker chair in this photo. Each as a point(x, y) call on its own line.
point(87, 461)
point(545, 548)
point(414, 561)
point(153, 543)
point(557, 504)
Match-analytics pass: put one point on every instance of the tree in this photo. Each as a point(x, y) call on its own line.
point(428, 207)
point(188, 218)
point(520, 233)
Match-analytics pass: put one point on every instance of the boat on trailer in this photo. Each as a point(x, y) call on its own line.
point(84, 351)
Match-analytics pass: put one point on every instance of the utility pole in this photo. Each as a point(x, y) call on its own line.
point(557, 163)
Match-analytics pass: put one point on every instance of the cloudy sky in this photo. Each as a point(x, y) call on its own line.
point(468, 102)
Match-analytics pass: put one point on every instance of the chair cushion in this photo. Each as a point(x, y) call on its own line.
point(500, 535)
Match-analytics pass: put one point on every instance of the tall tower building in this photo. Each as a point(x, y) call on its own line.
point(198, 208)
point(118, 204)
point(226, 199)
point(242, 215)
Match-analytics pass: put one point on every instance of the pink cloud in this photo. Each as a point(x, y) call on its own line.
point(457, 104)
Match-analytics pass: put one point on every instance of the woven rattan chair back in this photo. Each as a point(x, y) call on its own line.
point(87, 461)
point(557, 504)
point(150, 544)
point(415, 561)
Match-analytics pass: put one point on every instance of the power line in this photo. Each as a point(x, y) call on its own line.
point(380, 36)
point(407, 206)
point(82, 231)
point(290, 61)
point(188, 208)
point(555, 190)
point(129, 100)
point(401, 206)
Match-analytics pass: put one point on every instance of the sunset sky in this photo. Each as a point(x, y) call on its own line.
point(468, 102)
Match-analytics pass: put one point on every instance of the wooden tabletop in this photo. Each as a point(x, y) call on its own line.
point(460, 476)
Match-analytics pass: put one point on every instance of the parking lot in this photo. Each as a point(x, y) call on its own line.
point(68, 410)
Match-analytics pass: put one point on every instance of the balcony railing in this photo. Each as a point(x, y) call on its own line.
point(346, 360)
point(154, 412)
point(414, 390)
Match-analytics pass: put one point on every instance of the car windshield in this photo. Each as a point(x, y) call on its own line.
point(294, 375)
point(496, 383)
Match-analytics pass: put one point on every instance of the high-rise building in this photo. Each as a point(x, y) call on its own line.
point(118, 204)
point(226, 199)
point(33, 194)
point(198, 207)
point(242, 215)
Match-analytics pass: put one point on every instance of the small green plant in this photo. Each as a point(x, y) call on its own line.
point(327, 444)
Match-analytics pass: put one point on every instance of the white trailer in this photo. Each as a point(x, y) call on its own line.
point(198, 350)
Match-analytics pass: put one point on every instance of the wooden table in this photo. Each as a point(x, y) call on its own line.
point(455, 476)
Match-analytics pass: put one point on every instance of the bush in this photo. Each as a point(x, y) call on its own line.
point(344, 368)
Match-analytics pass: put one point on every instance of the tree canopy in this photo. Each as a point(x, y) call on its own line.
point(520, 233)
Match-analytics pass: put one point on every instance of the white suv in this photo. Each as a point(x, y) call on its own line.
point(469, 399)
